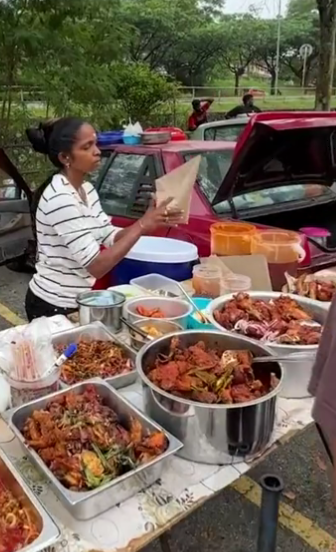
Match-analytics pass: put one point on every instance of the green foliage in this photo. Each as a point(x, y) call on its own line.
point(141, 90)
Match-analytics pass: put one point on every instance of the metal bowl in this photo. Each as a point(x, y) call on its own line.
point(159, 137)
point(163, 326)
point(298, 374)
point(211, 433)
point(104, 306)
point(175, 310)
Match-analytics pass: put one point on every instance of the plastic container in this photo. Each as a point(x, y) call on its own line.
point(206, 280)
point(131, 140)
point(174, 310)
point(172, 258)
point(110, 137)
point(236, 283)
point(283, 251)
point(319, 235)
point(231, 238)
point(176, 133)
point(156, 283)
point(193, 322)
point(23, 392)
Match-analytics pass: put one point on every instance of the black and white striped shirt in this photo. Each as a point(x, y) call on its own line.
point(69, 236)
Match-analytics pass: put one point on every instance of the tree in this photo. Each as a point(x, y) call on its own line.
point(141, 90)
point(326, 60)
point(238, 46)
point(300, 8)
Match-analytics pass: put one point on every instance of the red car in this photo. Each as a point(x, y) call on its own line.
point(281, 173)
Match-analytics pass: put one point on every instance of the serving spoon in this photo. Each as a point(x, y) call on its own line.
point(294, 357)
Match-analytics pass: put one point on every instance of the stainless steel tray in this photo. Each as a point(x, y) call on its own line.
point(88, 504)
point(49, 533)
point(97, 330)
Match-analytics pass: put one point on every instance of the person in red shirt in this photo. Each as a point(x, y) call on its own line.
point(199, 114)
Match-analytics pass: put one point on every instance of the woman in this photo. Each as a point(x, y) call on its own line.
point(70, 224)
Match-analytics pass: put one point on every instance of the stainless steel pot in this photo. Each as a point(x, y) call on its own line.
point(159, 137)
point(211, 433)
point(104, 306)
point(298, 374)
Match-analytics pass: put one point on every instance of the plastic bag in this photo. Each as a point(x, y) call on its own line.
point(179, 184)
point(133, 130)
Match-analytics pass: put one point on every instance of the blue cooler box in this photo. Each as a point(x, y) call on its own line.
point(152, 255)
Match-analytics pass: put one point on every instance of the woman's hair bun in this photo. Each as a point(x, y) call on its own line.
point(39, 137)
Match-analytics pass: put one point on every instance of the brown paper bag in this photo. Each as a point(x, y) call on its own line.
point(179, 184)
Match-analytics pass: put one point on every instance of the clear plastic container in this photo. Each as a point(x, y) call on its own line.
point(206, 280)
point(23, 392)
point(157, 284)
point(231, 238)
point(283, 251)
point(236, 283)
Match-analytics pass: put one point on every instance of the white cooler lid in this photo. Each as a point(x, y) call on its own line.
point(163, 250)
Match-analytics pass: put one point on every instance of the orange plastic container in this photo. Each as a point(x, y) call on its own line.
point(231, 238)
point(283, 251)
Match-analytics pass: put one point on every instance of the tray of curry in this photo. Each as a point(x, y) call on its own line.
point(94, 446)
point(25, 525)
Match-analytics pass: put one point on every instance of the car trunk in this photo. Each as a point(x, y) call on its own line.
point(323, 216)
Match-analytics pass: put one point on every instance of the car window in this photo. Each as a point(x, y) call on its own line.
point(228, 133)
point(117, 187)
point(213, 167)
point(8, 188)
point(277, 195)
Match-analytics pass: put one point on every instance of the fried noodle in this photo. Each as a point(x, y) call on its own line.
point(95, 358)
point(17, 526)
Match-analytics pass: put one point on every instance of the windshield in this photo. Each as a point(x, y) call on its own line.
point(213, 167)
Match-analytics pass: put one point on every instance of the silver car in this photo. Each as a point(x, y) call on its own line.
point(227, 130)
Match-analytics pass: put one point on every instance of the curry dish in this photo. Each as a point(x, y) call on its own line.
point(150, 313)
point(17, 525)
point(280, 320)
point(210, 376)
point(95, 358)
point(84, 443)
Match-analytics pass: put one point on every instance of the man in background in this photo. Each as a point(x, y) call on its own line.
point(247, 107)
point(199, 114)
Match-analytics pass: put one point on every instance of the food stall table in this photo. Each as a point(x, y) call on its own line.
point(133, 524)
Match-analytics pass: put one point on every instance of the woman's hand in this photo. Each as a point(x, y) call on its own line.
point(160, 216)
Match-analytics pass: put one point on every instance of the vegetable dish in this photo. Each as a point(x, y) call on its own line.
point(84, 443)
point(17, 525)
point(210, 376)
point(95, 358)
point(280, 320)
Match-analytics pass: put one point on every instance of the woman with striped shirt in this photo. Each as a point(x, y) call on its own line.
point(70, 224)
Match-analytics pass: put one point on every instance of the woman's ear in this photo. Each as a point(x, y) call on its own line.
point(64, 159)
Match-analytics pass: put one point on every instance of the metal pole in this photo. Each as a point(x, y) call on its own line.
point(278, 44)
point(272, 487)
point(304, 69)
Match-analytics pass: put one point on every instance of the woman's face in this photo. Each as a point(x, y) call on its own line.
point(85, 155)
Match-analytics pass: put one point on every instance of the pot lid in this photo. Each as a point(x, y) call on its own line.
point(280, 148)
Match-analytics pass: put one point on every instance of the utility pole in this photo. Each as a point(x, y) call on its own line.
point(278, 44)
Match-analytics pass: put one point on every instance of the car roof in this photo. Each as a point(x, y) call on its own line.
point(176, 146)
point(225, 122)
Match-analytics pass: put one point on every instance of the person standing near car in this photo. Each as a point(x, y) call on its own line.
point(246, 108)
point(71, 226)
point(322, 387)
point(199, 114)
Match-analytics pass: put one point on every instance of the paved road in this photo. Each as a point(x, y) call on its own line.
point(229, 521)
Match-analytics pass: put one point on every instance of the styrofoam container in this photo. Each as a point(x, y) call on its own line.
point(154, 255)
